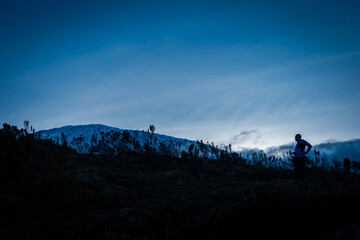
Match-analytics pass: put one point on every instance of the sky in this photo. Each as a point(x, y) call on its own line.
point(249, 73)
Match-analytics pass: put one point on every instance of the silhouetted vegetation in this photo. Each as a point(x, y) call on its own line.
point(49, 191)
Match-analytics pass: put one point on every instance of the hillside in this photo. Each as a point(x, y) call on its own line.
point(53, 192)
point(101, 139)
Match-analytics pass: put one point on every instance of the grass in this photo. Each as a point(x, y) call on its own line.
point(51, 192)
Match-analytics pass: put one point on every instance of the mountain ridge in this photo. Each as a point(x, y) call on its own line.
point(98, 138)
point(103, 139)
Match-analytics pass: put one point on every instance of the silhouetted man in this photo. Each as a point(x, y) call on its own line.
point(299, 157)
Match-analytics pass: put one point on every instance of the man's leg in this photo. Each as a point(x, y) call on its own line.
point(302, 169)
point(296, 168)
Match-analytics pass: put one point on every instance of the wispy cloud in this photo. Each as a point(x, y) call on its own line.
point(248, 138)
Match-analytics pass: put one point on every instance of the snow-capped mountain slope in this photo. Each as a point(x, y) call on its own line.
point(100, 139)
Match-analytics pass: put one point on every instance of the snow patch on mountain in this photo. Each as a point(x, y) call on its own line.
point(101, 139)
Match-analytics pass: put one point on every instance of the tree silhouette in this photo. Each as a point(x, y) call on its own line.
point(152, 128)
point(63, 140)
point(26, 125)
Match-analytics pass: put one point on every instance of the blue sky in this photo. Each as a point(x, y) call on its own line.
point(250, 73)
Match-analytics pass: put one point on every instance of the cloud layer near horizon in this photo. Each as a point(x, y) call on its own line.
point(347, 149)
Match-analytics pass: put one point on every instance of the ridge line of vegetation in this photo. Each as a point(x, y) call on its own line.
point(53, 192)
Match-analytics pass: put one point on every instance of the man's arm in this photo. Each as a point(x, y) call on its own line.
point(309, 146)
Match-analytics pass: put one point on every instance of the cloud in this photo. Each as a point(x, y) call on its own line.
point(280, 150)
point(247, 138)
point(347, 149)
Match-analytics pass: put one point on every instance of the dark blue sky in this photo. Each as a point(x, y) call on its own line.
point(206, 70)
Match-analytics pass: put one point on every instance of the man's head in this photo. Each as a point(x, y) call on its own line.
point(297, 137)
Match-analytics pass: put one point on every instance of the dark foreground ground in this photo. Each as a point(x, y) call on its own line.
point(50, 192)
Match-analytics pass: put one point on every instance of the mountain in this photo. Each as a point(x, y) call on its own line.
point(101, 139)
